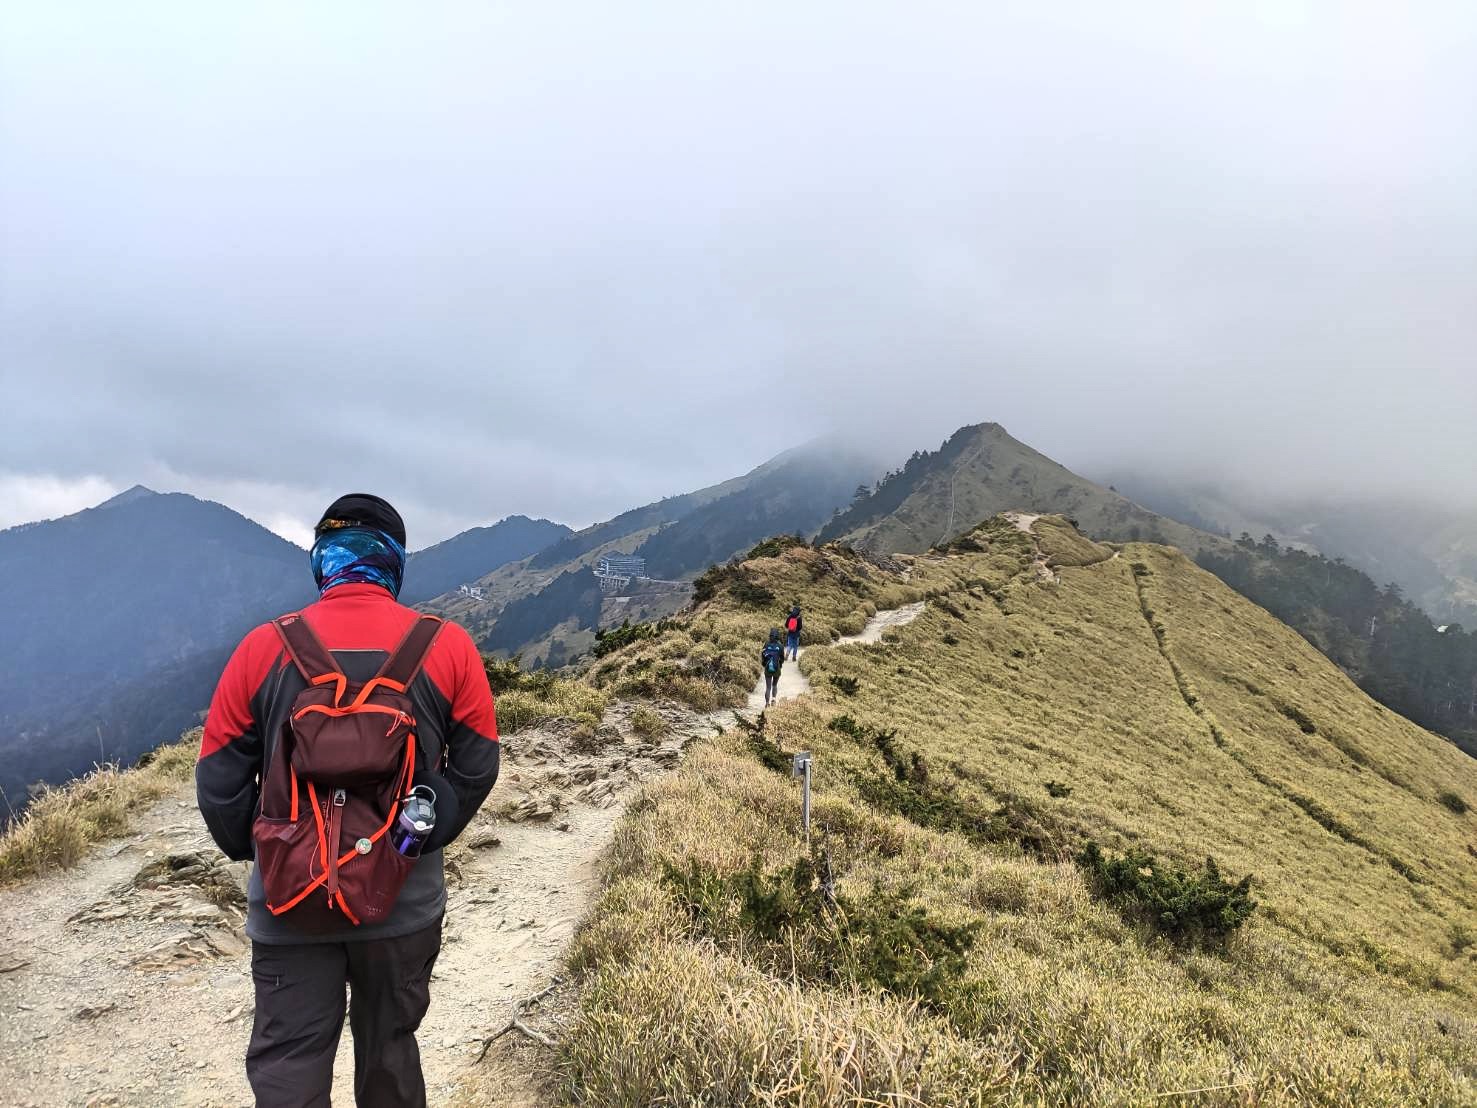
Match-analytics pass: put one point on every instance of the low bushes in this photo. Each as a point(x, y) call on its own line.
point(545, 697)
point(1183, 906)
point(1454, 802)
point(614, 638)
point(881, 939)
point(846, 686)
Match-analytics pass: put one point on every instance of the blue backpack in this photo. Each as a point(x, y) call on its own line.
point(774, 657)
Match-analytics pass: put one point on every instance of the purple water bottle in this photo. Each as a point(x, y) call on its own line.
point(416, 821)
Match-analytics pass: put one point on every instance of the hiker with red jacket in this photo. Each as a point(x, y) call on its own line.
point(794, 624)
point(346, 745)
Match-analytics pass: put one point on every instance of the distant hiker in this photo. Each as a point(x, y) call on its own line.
point(345, 746)
point(794, 624)
point(772, 658)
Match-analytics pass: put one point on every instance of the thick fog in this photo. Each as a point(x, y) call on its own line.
point(562, 259)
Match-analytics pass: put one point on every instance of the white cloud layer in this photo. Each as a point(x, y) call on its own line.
point(561, 259)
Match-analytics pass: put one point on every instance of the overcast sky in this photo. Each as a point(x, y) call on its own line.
point(561, 259)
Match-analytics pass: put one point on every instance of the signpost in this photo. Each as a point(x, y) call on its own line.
point(800, 767)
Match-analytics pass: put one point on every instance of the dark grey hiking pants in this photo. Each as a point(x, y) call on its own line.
point(300, 1012)
point(771, 686)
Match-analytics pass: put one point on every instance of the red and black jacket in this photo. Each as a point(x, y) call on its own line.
point(456, 729)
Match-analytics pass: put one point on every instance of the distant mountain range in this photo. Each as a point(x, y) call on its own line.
point(121, 616)
point(547, 607)
point(465, 557)
point(119, 619)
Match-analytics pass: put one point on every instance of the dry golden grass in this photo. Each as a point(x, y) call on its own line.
point(528, 707)
point(60, 824)
point(710, 658)
point(649, 724)
point(1354, 983)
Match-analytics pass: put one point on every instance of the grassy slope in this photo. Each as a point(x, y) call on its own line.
point(59, 826)
point(1353, 984)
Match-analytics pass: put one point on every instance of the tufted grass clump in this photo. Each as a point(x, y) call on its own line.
point(649, 724)
point(59, 825)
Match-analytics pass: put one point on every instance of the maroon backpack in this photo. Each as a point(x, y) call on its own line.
point(332, 788)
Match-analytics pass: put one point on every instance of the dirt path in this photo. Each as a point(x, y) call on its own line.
point(142, 996)
point(1023, 521)
point(793, 683)
point(884, 621)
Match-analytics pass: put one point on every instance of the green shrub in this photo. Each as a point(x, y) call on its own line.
point(612, 639)
point(1058, 790)
point(880, 940)
point(770, 756)
point(1454, 802)
point(502, 674)
point(847, 686)
point(771, 548)
point(1183, 906)
point(734, 579)
point(750, 593)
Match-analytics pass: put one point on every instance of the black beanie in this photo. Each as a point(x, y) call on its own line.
point(360, 509)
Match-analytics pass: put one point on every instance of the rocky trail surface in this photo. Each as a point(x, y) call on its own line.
point(126, 981)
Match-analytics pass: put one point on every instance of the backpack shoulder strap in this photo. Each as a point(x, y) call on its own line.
point(406, 660)
point(306, 650)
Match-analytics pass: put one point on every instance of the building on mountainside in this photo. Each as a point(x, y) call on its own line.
point(474, 591)
point(616, 571)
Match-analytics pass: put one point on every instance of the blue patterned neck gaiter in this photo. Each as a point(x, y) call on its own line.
point(360, 555)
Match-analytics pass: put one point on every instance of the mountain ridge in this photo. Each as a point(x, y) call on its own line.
point(124, 614)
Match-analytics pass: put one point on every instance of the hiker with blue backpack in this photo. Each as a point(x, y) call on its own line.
point(794, 624)
point(772, 658)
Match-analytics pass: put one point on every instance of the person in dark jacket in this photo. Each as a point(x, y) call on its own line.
point(772, 659)
point(794, 624)
point(358, 560)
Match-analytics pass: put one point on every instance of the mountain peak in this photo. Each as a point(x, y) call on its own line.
point(128, 496)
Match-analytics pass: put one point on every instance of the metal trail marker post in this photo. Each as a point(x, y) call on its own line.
point(800, 767)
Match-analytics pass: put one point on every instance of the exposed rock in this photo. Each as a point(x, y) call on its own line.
point(191, 948)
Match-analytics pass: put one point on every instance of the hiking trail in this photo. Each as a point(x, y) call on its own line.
point(128, 977)
point(793, 683)
point(135, 984)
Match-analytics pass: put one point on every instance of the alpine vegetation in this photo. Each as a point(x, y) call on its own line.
point(1068, 847)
